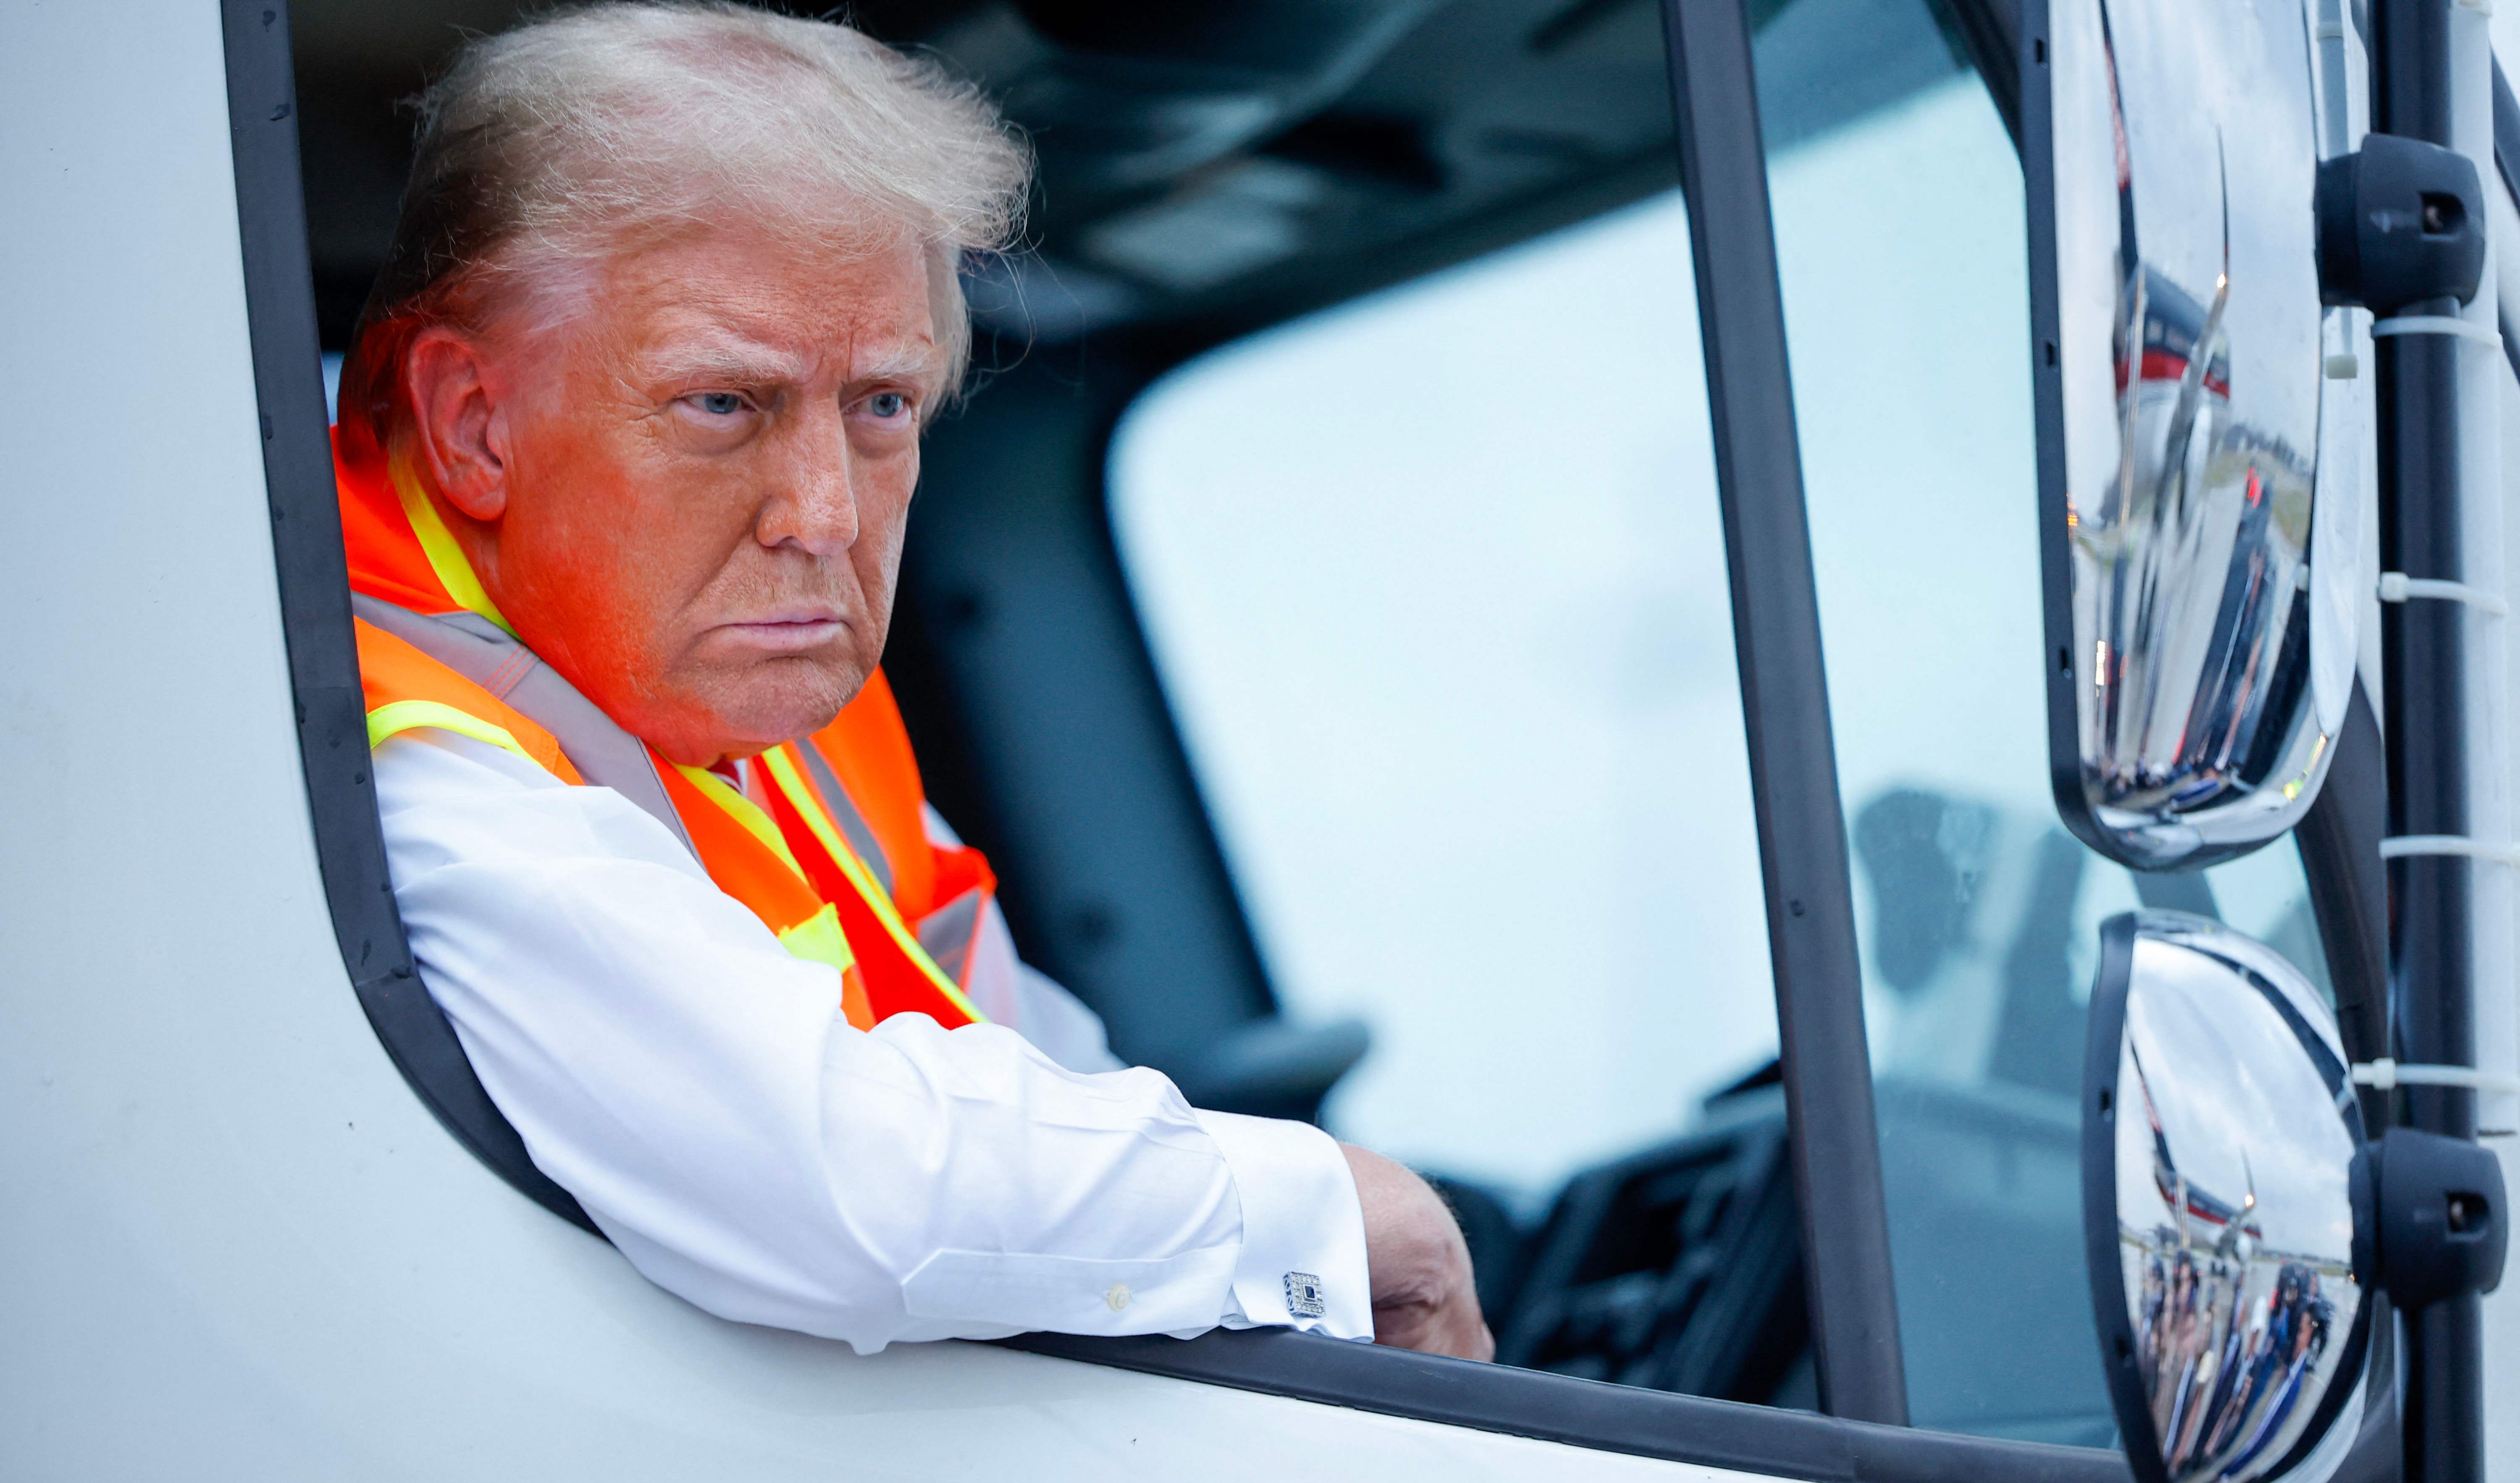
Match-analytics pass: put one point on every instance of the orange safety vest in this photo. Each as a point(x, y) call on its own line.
point(839, 864)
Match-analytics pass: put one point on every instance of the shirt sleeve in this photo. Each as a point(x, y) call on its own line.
point(700, 1092)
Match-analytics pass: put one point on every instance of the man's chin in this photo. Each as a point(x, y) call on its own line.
point(782, 701)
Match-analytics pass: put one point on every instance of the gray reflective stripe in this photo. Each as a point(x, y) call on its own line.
point(948, 932)
point(844, 810)
point(479, 651)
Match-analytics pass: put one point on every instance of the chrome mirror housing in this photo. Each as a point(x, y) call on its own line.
point(2228, 1206)
point(2202, 559)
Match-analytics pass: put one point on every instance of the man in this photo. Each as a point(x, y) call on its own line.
point(628, 437)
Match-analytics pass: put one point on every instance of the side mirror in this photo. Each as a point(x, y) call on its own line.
point(2200, 533)
point(2236, 1222)
point(2226, 1202)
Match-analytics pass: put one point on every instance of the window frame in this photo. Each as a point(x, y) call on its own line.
point(1804, 861)
point(315, 605)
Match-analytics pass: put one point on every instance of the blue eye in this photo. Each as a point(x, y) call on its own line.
point(720, 403)
point(887, 404)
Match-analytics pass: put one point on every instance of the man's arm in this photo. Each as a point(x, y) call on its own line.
point(1424, 1295)
point(700, 1092)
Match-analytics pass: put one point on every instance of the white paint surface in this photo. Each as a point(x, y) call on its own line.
point(2498, 1003)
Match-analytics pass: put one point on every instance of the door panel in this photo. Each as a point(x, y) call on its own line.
point(238, 1246)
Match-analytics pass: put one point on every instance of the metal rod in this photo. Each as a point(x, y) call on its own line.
point(2423, 699)
point(1785, 704)
point(2339, 840)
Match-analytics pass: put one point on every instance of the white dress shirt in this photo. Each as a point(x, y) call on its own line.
point(699, 1092)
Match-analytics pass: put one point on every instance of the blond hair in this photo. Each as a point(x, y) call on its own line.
point(588, 131)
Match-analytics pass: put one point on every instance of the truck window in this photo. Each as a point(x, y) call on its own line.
point(1435, 583)
point(1900, 237)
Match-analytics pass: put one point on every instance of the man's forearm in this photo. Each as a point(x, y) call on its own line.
point(697, 1088)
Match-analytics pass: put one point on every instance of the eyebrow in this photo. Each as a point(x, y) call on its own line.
point(911, 359)
point(747, 361)
point(722, 358)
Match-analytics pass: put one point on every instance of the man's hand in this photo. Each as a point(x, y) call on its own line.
point(1416, 1262)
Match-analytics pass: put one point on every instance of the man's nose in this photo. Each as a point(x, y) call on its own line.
point(815, 505)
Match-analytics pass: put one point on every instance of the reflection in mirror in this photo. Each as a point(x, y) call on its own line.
point(2225, 1205)
point(2182, 371)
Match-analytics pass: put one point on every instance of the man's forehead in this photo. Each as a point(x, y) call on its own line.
point(861, 316)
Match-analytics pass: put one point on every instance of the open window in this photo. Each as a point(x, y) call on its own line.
point(1435, 583)
point(1294, 680)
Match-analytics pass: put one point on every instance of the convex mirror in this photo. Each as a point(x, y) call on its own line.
point(2227, 1207)
point(2202, 565)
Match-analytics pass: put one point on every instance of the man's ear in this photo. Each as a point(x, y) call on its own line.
point(459, 426)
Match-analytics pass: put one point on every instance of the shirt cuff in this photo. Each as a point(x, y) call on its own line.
point(1302, 1264)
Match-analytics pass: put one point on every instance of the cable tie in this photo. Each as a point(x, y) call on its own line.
point(2436, 324)
point(2449, 845)
point(2398, 587)
point(2386, 1075)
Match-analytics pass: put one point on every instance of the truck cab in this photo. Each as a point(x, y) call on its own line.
point(1488, 592)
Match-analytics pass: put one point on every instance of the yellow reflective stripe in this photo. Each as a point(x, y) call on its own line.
point(818, 939)
point(437, 543)
point(405, 715)
point(808, 807)
point(744, 812)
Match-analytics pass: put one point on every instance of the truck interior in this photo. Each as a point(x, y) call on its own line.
point(1114, 711)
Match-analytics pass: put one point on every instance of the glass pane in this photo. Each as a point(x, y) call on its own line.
point(1435, 582)
point(1899, 239)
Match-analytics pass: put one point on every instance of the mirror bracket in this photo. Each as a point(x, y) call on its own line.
point(2444, 1228)
point(2399, 221)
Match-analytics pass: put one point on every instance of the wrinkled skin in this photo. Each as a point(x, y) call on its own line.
point(684, 478)
point(1417, 1263)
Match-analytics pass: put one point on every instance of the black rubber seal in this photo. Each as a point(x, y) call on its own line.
point(1551, 1408)
point(315, 607)
point(2104, 1031)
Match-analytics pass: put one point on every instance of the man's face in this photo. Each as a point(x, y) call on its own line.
point(703, 475)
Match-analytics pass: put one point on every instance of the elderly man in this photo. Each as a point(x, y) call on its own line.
point(628, 439)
